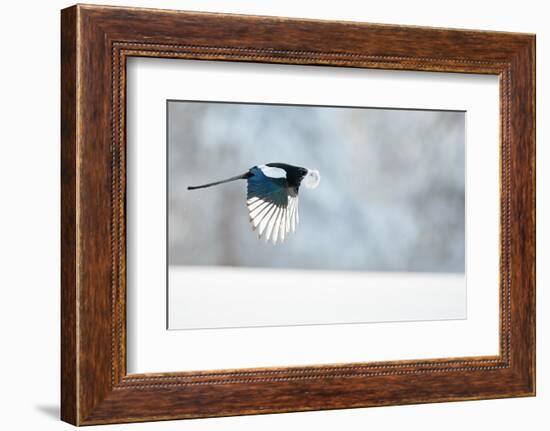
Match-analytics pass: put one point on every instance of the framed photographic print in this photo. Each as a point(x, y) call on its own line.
point(264, 214)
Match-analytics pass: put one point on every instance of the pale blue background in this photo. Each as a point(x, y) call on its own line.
point(391, 196)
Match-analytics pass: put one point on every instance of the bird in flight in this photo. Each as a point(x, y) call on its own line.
point(272, 197)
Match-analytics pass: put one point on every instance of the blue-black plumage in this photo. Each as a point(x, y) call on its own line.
point(272, 196)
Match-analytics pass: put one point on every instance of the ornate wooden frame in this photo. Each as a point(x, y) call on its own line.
point(95, 43)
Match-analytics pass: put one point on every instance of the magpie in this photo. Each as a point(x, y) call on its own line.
point(272, 197)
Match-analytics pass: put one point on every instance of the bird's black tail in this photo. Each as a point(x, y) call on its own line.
point(238, 177)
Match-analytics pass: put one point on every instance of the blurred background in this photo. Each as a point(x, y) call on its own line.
point(391, 197)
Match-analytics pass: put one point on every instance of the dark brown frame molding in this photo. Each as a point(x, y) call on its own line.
point(95, 43)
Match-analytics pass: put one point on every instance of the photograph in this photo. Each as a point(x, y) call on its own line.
point(283, 199)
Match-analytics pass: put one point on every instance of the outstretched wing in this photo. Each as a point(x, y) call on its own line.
point(272, 204)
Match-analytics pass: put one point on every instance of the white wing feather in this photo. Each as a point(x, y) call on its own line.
point(272, 221)
point(265, 219)
point(271, 172)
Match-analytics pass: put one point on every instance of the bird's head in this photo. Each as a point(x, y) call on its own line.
point(295, 175)
point(310, 178)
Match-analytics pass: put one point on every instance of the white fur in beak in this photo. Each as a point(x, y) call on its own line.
point(312, 179)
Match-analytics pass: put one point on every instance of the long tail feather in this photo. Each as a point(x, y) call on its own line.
point(203, 186)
